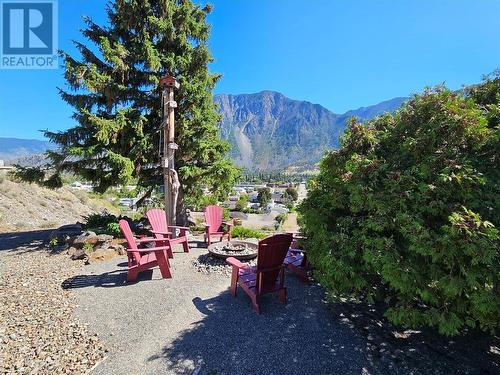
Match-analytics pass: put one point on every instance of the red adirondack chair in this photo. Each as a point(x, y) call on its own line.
point(143, 259)
point(213, 223)
point(296, 259)
point(162, 230)
point(269, 274)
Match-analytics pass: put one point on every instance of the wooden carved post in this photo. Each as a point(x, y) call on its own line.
point(170, 180)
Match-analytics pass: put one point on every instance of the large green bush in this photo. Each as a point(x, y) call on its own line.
point(407, 211)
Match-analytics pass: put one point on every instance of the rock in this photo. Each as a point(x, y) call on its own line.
point(65, 232)
point(102, 254)
point(77, 253)
point(119, 249)
point(86, 237)
point(71, 251)
point(39, 332)
point(70, 229)
point(104, 237)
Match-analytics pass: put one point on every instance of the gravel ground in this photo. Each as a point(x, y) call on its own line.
point(191, 322)
point(38, 331)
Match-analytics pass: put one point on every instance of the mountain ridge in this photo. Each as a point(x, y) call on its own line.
point(267, 130)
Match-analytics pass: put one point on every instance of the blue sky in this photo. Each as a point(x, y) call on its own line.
point(340, 54)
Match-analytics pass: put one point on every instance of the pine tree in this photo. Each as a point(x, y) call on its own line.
point(113, 90)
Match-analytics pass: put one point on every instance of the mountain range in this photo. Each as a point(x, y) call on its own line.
point(267, 130)
point(12, 149)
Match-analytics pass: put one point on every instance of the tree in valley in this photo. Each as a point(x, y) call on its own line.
point(291, 193)
point(112, 88)
point(264, 197)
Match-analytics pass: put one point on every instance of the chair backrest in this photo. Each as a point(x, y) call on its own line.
point(271, 254)
point(129, 237)
point(213, 217)
point(158, 220)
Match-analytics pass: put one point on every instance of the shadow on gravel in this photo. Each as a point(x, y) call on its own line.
point(106, 280)
point(421, 351)
point(297, 338)
point(24, 241)
point(309, 336)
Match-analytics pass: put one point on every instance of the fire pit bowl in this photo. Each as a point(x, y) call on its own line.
point(237, 249)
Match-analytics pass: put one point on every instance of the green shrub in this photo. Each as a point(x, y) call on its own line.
point(103, 223)
point(100, 220)
point(407, 211)
point(88, 247)
point(292, 193)
point(241, 204)
point(280, 219)
point(242, 232)
point(264, 197)
point(113, 229)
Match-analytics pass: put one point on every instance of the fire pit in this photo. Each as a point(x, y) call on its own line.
point(238, 249)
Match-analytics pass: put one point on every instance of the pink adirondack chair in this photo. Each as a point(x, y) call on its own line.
point(214, 216)
point(162, 230)
point(140, 260)
point(296, 259)
point(269, 274)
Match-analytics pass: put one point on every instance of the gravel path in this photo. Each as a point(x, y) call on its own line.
point(190, 321)
point(38, 331)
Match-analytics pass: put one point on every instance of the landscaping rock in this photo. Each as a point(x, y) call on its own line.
point(39, 333)
point(102, 254)
point(207, 264)
point(86, 237)
point(118, 248)
point(76, 254)
point(104, 237)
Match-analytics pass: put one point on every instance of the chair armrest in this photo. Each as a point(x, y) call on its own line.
point(206, 225)
point(235, 263)
point(161, 232)
point(178, 227)
point(228, 224)
point(148, 250)
point(150, 239)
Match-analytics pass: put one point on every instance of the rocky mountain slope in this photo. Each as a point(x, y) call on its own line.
point(267, 130)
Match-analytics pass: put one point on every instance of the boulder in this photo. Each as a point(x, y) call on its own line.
point(102, 254)
point(75, 253)
point(86, 237)
point(104, 237)
point(66, 232)
point(118, 248)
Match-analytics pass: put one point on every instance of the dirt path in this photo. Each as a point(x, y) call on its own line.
point(290, 224)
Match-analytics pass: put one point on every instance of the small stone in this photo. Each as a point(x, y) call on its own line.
point(78, 254)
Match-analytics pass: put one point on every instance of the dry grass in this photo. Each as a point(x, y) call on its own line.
point(28, 206)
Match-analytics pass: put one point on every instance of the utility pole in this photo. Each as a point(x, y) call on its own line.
point(170, 179)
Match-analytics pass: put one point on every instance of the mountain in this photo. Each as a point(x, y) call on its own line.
point(15, 148)
point(267, 130)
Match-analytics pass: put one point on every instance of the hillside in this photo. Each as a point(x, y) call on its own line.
point(25, 207)
point(267, 130)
